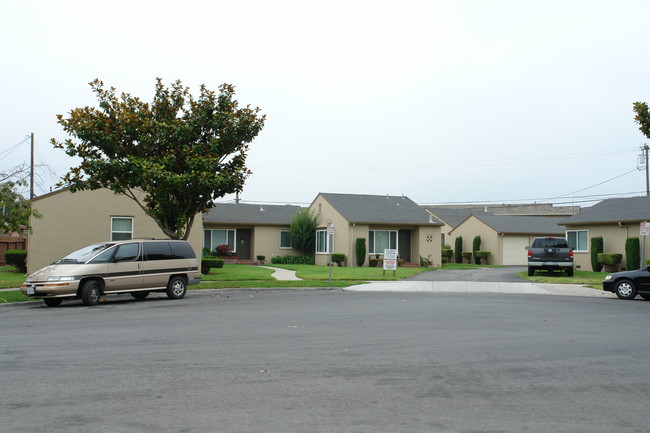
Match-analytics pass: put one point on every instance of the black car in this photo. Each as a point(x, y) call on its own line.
point(628, 284)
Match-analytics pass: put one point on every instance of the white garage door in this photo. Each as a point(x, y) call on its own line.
point(514, 250)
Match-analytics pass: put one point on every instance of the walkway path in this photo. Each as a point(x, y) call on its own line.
point(283, 274)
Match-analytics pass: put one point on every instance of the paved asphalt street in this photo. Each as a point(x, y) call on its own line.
point(327, 361)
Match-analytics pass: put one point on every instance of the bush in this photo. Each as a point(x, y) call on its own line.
point(425, 262)
point(374, 262)
point(610, 261)
point(467, 257)
point(224, 251)
point(459, 250)
point(338, 258)
point(597, 245)
point(476, 246)
point(447, 254)
point(292, 260)
point(479, 256)
point(261, 259)
point(632, 253)
point(361, 251)
point(17, 258)
point(209, 263)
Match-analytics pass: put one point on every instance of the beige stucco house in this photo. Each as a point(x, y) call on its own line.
point(614, 219)
point(73, 220)
point(506, 236)
point(394, 222)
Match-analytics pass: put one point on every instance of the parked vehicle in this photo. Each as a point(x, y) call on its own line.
point(135, 266)
point(628, 284)
point(550, 254)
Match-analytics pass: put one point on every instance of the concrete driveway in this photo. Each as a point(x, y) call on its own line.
point(484, 280)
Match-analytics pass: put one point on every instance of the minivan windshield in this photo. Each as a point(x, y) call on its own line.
point(84, 254)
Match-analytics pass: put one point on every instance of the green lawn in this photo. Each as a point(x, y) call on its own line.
point(239, 273)
point(585, 278)
point(10, 277)
point(313, 272)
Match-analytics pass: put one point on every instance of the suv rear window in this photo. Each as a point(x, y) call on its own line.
point(550, 243)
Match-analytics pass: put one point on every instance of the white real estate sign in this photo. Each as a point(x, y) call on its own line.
point(390, 260)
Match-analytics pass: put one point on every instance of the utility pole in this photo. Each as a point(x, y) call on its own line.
point(647, 178)
point(31, 172)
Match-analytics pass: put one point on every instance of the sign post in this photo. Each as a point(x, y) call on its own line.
point(390, 261)
point(645, 232)
point(331, 230)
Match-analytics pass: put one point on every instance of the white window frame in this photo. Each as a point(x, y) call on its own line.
point(577, 240)
point(233, 247)
point(290, 247)
point(318, 243)
point(113, 232)
point(371, 234)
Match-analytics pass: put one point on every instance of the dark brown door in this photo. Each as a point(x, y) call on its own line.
point(244, 244)
point(404, 245)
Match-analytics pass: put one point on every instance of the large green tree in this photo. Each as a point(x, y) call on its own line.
point(642, 117)
point(302, 231)
point(15, 210)
point(180, 151)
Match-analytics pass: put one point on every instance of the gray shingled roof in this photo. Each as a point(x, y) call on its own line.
point(374, 209)
point(613, 210)
point(455, 216)
point(240, 213)
point(519, 224)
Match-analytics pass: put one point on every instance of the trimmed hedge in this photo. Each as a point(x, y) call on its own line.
point(458, 256)
point(17, 258)
point(447, 254)
point(632, 253)
point(610, 261)
point(361, 251)
point(476, 246)
point(338, 258)
point(292, 260)
point(209, 263)
point(597, 247)
point(479, 256)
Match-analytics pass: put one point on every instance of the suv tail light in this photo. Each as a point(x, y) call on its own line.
point(571, 253)
point(530, 253)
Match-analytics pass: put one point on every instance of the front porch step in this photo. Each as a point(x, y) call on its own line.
point(410, 265)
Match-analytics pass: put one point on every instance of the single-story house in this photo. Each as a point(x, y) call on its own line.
point(385, 222)
point(451, 217)
point(506, 236)
point(614, 219)
point(250, 230)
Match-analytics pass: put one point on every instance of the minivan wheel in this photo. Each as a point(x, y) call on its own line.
point(52, 302)
point(625, 289)
point(91, 292)
point(139, 295)
point(176, 288)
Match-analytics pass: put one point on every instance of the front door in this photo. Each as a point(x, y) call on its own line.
point(404, 245)
point(244, 244)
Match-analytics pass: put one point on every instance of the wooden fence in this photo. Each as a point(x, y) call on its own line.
point(10, 242)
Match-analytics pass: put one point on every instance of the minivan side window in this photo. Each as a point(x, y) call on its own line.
point(157, 251)
point(127, 252)
point(182, 250)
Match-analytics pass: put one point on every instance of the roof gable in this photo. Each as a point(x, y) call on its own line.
point(375, 209)
point(613, 210)
point(520, 224)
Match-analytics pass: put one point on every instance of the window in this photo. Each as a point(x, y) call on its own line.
point(380, 240)
point(213, 238)
point(127, 252)
point(121, 228)
point(157, 251)
point(322, 242)
point(285, 239)
point(578, 239)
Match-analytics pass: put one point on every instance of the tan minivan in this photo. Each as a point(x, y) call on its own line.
point(136, 266)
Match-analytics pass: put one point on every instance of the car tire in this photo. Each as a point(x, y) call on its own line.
point(176, 288)
point(625, 289)
point(569, 272)
point(91, 291)
point(52, 302)
point(139, 295)
point(531, 271)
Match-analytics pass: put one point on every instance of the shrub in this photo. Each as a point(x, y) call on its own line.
point(338, 258)
point(209, 263)
point(597, 245)
point(292, 260)
point(224, 251)
point(361, 251)
point(17, 258)
point(374, 262)
point(447, 254)
point(400, 262)
point(632, 253)
point(425, 262)
point(610, 261)
point(479, 256)
point(459, 250)
point(261, 259)
point(467, 257)
point(476, 246)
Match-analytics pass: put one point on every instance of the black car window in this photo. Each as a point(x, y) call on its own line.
point(182, 250)
point(127, 252)
point(157, 251)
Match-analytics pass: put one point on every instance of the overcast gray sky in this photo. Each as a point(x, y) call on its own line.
point(442, 101)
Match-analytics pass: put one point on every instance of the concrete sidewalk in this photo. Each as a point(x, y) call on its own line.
point(283, 274)
point(479, 287)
